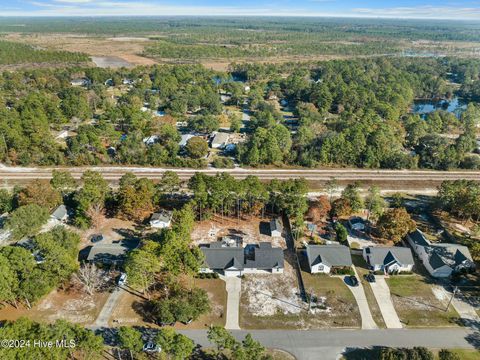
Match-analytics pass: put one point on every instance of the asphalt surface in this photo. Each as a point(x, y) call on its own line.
point(115, 172)
point(328, 344)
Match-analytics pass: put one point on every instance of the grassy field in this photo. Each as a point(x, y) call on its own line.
point(417, 305)
point(361, 267)
point(364, 354)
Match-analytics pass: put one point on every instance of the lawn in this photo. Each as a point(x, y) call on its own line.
point(417, 305)
point(361, 267)
point(129, 309)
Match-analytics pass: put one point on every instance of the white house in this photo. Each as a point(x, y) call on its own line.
point(389, 259)
point(323, 258)
point(161, 220)
point(441, 260)
point(276, 228)
point(236, 260)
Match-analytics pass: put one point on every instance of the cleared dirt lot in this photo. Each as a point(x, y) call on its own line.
point(252, 230)
point(272, 301)
point(72, 306)
point(127, 49)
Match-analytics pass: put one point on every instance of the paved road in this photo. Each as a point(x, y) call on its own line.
point(327, 344)
point(426, 178)
point(233, 285)
point(381, 291)
point(107, 310)
point(361, 299)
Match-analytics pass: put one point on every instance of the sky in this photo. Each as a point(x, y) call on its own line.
point(429, 9)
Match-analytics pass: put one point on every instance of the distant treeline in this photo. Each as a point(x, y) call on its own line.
point(16, 53)
point(327, 28)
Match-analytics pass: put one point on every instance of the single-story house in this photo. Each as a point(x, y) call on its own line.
point(184, 139)
point(389, 259)
point(60, 213)
point(161, 220)
point(108, 254)
point(236, 261)
point(356, 223)
point(322, 258)
point(150, 140)
point(441, 259)
point(276, 228)
point(219, 140)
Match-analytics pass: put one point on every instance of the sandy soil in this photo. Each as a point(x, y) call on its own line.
point(270, 294)
point(249, 229)
point(72, 306)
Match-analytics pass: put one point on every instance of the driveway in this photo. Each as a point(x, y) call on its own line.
point(107, 310)
point(463, 307)
point(359, 294)
point(233, 286)
point(384, 300)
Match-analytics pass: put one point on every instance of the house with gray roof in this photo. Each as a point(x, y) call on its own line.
point(219, 140)
point(60, 213)
point(441, 259)
point(109, 254)
point(276, 227)
point(390, 260)
point(236, 260)
point(161, 219)
point(324, 258)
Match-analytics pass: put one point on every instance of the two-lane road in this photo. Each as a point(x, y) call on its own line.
point(328, 344)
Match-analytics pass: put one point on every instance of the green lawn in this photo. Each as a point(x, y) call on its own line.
point(416, 305)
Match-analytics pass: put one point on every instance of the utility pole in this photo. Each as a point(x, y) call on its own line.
point(455, 289)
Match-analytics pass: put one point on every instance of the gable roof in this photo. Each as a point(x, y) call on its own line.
point(109, 253)
point(388, 255)
point(162, 216)
point(263, 256)
point(220, 258)
point(60, 212)
point(418, 238)
point(330, 255)
point(220, 138)
point(275, 225)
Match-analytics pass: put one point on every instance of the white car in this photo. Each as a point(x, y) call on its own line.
point(122, 280)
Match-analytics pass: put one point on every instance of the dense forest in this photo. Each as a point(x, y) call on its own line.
point(347, 113)
point(15, 53)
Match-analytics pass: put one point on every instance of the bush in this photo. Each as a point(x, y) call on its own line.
point(223, 163)
point(341, 232)
point(355, 245)
point(342, 271)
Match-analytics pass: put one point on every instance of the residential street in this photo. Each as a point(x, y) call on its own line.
point(233, 286)
point(384, 300)
point(308, 345)
point(359, 294)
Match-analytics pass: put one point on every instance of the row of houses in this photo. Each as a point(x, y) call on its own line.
point(327, 258)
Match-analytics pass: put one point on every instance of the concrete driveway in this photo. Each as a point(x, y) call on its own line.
point(233, 286)
point(359, 294)
point(384, 300)
point(107, 310)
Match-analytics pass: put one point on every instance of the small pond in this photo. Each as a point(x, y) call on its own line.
point(455, 106)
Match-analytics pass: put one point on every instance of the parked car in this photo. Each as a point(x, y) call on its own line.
point(369, 277)
point(96, 238)
point(353, 280)
point(151, 347)
point(122, 280)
